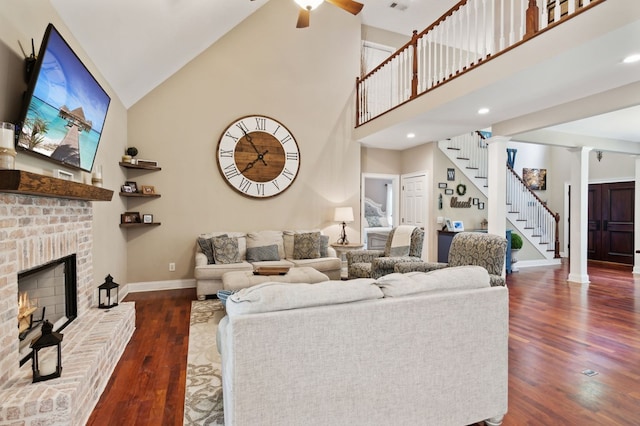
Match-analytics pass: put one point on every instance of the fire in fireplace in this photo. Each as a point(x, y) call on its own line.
point(46, 292)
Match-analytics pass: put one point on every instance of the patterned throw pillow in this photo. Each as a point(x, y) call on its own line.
point(259, 254)
point(207, 249)
point(306, 246)
point(324, 246)
point(374, 221)
point(225, 250)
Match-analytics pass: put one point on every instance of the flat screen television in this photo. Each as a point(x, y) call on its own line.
point(64, 107)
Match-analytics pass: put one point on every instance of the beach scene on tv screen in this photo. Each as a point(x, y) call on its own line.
point(66, 113)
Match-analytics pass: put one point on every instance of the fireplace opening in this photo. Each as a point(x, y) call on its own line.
point(46, 292)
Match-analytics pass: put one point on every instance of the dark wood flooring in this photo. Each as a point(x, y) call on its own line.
point(557, 330)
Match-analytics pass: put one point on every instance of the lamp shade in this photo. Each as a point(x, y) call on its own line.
point(343, 214)
point(309, 4)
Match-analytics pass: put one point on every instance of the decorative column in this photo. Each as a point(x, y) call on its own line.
point(579, 215)
point(636, 221)
point(497, 187)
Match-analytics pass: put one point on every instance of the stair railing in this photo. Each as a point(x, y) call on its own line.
point(533, 212)
point(467, 35)
point(521, 200)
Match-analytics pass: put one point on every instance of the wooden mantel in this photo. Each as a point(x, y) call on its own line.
point(27, 183)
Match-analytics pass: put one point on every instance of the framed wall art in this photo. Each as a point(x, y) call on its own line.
point(535, 179)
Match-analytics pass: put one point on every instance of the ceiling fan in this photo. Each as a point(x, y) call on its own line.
point(308, 5)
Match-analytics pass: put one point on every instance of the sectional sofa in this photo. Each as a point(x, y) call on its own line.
point(217, 253)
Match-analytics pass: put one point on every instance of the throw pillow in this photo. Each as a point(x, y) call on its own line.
point(225, 250)
point(374, 221)
point(259, 254)
point(223, 295)
point(306, 245)
point(324, 246)
point(207, 249)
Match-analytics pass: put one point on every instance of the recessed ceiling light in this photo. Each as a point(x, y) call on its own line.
point(631, 59)
point(483, 111)
point(411, 135)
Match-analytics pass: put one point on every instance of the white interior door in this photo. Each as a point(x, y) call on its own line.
point(414, 200)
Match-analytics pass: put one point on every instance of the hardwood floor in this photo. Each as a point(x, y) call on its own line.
point(557, 330)
point(147, 386)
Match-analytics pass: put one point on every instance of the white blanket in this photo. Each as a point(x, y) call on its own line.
point(401, 241)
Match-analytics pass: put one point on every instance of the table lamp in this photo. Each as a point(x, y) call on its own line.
point(344, 215)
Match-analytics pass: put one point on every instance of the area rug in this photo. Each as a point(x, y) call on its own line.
point(203, 393)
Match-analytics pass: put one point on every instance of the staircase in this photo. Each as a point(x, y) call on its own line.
point(526, 212)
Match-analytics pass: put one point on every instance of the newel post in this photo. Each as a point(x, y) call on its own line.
point(556, 247)
point(533, 24)
point(414, 78)
point(357, 101)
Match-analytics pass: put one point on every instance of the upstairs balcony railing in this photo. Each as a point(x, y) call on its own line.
point(469, 34)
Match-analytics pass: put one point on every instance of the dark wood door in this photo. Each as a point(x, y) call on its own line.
point(610, 222)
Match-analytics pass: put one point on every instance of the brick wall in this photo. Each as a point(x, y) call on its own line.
point(34, 231)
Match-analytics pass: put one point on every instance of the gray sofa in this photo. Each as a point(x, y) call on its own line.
point(252, 252)
point(406, 349)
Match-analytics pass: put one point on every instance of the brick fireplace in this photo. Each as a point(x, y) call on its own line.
point(35, 230)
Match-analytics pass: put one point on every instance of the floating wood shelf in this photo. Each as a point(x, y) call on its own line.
point(133, 225)
point(28, 183)
point(138, 194)
point(139, 166)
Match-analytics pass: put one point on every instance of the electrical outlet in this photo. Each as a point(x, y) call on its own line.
point(172, 267)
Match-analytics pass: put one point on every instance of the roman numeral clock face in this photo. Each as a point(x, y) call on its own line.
point(258, 156)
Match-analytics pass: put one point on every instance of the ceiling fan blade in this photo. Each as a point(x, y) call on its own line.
point(349, 5)
point(303, 19)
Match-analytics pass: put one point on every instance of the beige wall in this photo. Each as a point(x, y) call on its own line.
point(303, 78)
point(19, 23)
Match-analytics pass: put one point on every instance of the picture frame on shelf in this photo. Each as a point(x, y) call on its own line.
point(442, 185)
point(148, 189)
point(133, 185)
point(61, 174)
point(448, 224)
point(149, 163)
point(458, 226)
point(130, 217)
point(126, 188)
point(147, 218)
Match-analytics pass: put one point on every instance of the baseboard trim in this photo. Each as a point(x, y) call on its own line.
point(536, 262)
point(160, 285)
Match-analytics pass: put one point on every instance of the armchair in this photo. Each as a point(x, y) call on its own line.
point(469, 248)
point(376, 263)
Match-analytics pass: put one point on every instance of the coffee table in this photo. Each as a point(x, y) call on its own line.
point(237, 280)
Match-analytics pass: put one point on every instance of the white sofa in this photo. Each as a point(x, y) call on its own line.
point(209, 275)
point(407, 349)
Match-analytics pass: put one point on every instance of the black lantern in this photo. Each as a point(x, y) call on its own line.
point(106, 299)
point(46, 363)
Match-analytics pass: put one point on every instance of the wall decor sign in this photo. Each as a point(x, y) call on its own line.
point(460, 204)
point(535, 179)
point(451, 174)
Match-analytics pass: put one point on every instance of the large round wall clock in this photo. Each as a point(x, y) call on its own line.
point(258, 156)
